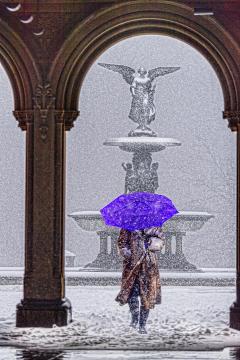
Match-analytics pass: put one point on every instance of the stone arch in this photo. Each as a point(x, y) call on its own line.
point(106, 27)
point(20, 67)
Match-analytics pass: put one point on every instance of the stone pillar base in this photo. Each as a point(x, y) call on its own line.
point(106, 262)
point(43, 313)
point(235, 316)
point(176, 262)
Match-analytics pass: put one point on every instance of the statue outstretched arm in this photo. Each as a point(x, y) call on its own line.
point(132, 89)
point(124, 166)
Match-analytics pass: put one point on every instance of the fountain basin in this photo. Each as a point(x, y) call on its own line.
point(147, 143)
point(183, 221)
point(176, 227)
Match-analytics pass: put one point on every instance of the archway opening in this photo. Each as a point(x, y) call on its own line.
point(194, 175)
point(12, 199)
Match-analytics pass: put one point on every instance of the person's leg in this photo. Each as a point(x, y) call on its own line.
point(144, 313)
point(134, 304)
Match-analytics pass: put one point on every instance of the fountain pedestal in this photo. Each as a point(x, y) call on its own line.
point(174, 260)
point(108, 259)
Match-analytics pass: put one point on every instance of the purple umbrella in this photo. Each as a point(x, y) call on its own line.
point(138, 210)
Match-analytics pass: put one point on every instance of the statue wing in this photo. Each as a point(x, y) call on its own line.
point(160, 71)
point(125, 71)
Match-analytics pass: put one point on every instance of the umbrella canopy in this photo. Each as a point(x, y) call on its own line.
point(138, 210)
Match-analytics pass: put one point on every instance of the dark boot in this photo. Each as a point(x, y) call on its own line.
point(144, 313)
point(134, 309)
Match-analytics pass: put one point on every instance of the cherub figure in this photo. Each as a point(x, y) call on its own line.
point(129, 174)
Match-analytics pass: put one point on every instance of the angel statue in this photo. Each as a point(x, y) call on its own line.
point(142, 88)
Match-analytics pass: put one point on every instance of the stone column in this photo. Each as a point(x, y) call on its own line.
point(234, 124)
point(103, 242)
point(179, 249)
point(44, 302)
point(168, 243)
point(114, 238)
point(115, 261)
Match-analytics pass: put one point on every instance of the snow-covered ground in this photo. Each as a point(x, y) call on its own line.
point(191, 318)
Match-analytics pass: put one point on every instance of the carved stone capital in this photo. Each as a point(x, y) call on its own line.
point(44, 99)
point(67, 117)
point(61, 116)
point(23, 117)
point(233, 117)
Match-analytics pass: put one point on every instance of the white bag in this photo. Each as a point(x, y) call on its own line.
point(155, 238)
point(155, 243)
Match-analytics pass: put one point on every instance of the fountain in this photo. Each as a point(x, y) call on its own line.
point(142, 175)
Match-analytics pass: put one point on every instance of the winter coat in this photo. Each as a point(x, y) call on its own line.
point(147, 272)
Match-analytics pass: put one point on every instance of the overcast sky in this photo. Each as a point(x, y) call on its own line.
point(198, 176)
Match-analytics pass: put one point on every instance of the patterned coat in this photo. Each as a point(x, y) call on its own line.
point(147, 272)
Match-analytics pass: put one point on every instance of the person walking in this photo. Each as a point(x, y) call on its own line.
point(140, 276)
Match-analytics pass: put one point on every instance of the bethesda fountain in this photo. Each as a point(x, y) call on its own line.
point(142, 175)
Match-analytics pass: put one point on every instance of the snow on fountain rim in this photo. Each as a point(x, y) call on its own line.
point(96, 213)
point(142, 140)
